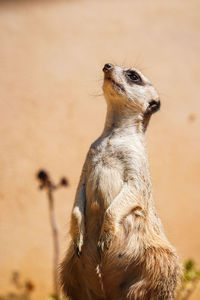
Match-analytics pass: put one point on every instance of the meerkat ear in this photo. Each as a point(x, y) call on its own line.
point(153, 107)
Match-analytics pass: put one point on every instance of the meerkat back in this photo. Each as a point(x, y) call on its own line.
point(118, 248)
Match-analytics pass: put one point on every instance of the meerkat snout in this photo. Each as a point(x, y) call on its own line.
point(107, 67)
point(131, 89)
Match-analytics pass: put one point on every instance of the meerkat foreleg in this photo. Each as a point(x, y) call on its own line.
point(77, 228)
point(123, 204)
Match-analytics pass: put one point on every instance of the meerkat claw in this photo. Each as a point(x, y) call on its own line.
point(100, 247)
point(104, 242)
point(77, 249)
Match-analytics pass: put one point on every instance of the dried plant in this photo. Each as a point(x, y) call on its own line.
point(47, 184)
point(23, 289)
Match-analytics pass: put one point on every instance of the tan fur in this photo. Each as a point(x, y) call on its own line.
point(119, 250)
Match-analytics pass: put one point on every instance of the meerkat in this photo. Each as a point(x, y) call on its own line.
point(119, 250)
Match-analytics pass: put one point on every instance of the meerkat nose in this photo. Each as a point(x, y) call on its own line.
point(107, 67)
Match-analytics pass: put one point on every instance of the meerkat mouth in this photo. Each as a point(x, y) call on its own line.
point(115, 84)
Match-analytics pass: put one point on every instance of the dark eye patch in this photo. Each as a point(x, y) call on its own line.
point(134, 77)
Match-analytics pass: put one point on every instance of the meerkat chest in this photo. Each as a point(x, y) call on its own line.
point(119, 153)
point(110, 164)
point(105, 178)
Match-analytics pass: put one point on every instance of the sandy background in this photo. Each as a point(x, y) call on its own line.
point(51, 56)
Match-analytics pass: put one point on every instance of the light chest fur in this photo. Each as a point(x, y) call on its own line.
point(113, 159)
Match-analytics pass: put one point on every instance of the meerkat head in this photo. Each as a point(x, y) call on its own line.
point(129, 89)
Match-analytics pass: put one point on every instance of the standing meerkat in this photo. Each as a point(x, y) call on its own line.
point(119, 250)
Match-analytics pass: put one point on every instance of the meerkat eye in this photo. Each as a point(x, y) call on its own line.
point(133, 76)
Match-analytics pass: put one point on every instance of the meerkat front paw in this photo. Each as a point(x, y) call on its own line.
point(108, 232)
point(105, 241)
point(78, 243)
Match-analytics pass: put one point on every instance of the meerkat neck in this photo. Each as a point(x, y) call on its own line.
point(122, 118)
point(127, 126)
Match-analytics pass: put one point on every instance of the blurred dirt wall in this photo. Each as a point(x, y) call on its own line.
point(51, 57)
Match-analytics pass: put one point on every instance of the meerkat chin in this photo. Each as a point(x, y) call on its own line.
point(118, 248)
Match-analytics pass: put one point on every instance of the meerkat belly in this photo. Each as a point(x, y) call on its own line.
point(103, 185)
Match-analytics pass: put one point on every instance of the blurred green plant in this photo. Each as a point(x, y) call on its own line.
point(190, 281)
